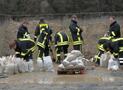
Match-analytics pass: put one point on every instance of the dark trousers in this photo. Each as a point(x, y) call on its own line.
point(43, 51)
point(27, 57)
point(60, 49)
point(77, 47)
point(97, 61)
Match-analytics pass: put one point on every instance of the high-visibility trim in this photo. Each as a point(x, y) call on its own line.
point(43, 25)
point(100, 47)
point(79, 39)
point(17, 52)
point(62, 43)
point(68, 38)
point(58, 55)
point(23, 54)
point(77, 42)
point(32, 49)
point(97, 58)
point(107, 38)
point(41, 45)
point(26, 39)
point(66, 54)
point(26, 35)
point(114, 40)
point(121, 61)
point(121, 49)
point(113, 33)
point(61, 38)
point(115, 53)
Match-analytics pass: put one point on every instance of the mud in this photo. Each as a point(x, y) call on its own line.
point(97, 79)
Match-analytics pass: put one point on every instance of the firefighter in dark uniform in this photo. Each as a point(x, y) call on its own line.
point(23, 48)
point(76, 33)
point(117, 49)
point(23, 31)
point(61, 45)
point(43, 36)
point(103, 46)
point(114, 30)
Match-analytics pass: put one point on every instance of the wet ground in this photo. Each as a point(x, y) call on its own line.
point(97, 79)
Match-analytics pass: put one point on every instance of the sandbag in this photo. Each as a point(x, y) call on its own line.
point(61, 66)
point(21, 66)
point(26, 66)
point(113, 64)
point(104, 59)
point(73, 60)
point(48, 65)
point(30, 65)
point(65, 62)
point(40, 64)
point(77, 53)
point(9, 68)
point(70, 57)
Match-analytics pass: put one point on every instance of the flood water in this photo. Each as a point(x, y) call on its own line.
point(98, 76)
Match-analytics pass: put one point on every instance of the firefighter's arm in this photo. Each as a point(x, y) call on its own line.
point(73, 28)
point(114, 30)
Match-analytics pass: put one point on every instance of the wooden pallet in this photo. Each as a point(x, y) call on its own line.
point(70, 71)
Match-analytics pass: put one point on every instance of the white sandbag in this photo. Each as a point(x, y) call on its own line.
point(65, 63)
point(77, 53)
point(21, 66)
point(26, 66)
point(70, 66)
point(80, 65)
point(104, 60)
point(48, 64)
point(30, 65)
point(15, 68)
point(70, 57)
point(61, 66)
point(2, 66)
point(9, 68)
point(113, 64)
point(14, 61)
point(74, 63)
point(40, 64)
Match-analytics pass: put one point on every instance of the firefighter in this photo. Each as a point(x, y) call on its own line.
point(117, 49)
point(61, 45)
point(43, 36)
point(23, 48)
point(103, 46)
point(76, 33)
point(114, 29)
point(23, 31)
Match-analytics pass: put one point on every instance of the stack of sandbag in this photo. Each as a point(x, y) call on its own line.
point(113, 64)
point(45, 64)
point(73, 60)
point(12, 65)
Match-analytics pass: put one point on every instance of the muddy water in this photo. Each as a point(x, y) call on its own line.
point(96, 76)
